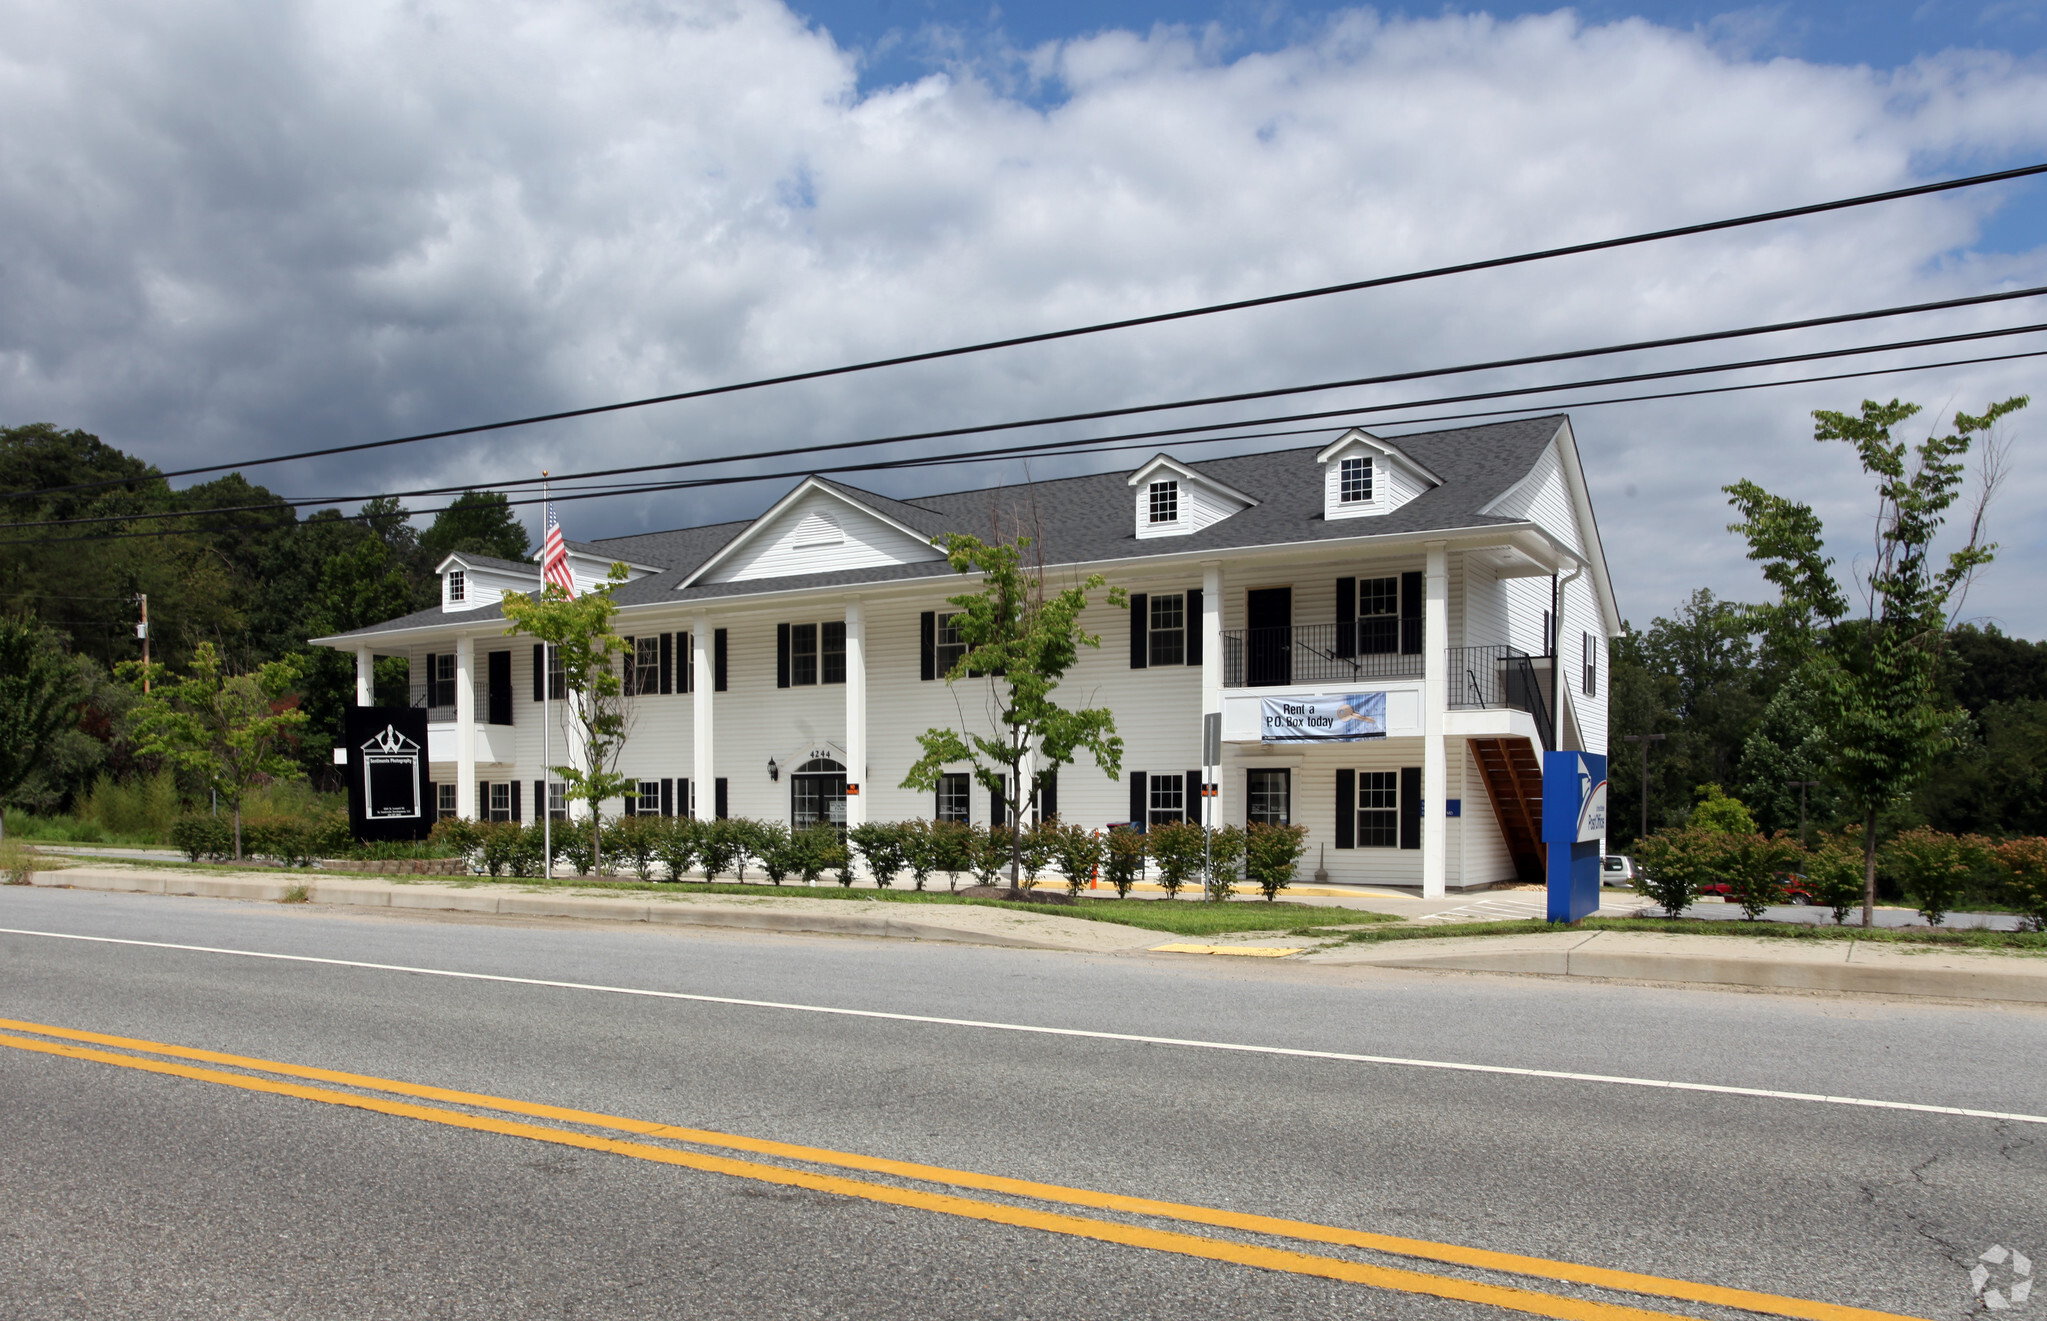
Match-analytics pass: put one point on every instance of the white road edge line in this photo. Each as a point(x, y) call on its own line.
point(1718, 1089)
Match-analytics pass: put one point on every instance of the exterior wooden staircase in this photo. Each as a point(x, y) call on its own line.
point(1513, 781)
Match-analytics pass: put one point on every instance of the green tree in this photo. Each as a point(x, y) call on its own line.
point(597, 714)
point(39, 695)
point(478, 522)
point(224, 731)
point(1021, 640)
point(1877, 679)
point(1720, 814)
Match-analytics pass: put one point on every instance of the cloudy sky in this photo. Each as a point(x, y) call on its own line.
point(237, 229)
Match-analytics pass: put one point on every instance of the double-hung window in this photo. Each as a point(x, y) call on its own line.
point(802, 654)
point(951, 648)
point(558, 800)
point(440, 681)
point(812, 654)
point(1591, 666)
point(1378, 809)
point(649, 801)
point(1168, 644)
point(955, 802)
point(646, 665)
point(458, 585)
point(1168, 799)
point(834, 642)
point(1268, 795)
point(444, 804)
point(1165, 502)
point(1378, 615)
point(501, 800)
point(1354, 482)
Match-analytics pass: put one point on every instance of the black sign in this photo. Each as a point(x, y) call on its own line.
point(388, 794)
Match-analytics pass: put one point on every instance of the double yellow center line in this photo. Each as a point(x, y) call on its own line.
point(378, 1095)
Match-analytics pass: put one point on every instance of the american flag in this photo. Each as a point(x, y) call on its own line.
point(554, 556)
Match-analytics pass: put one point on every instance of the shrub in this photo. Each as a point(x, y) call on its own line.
point(1675, 863)
point(144, 808)
point(2025, 865)
point(1225, 862)
point(840, 854)
point(453, 836)
point(572, 840)
point(1123, 853)
point(952, 850)
point(1933, 867)
point(991, 854)
point(1752, 866)
point(745, 839)
point(1077, 852)
point(1178, 847)
point(812, 851)
point(17, 862)
point(499, 847)
point(880, 845)
point(1834, 874)
point(920, 858)
point(1721, 815)
point(288, 840)
point(677, 847)
point(528, 850)
point(1040, 847)
point(635, 839)
point(719, 846)
point(204, 838)
point(1271, 856)
point(771, 842)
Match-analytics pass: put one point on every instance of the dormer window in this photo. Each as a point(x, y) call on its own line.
point(1354, 483)
point(457, 587)
point(1165, 502)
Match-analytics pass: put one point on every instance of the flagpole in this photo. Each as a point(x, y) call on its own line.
point(546, 795)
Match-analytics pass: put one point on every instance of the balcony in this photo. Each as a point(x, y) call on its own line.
point(1492, 678)
point(1320, 653)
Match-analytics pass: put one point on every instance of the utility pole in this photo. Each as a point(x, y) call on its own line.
point(1645, 740)
point(142, 631)
point(1802, 786)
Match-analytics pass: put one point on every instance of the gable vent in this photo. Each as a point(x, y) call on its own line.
point(817, 529)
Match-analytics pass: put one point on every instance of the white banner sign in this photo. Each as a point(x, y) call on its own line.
point(1344, 719)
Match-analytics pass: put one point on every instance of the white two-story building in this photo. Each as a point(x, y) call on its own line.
point(783, 666)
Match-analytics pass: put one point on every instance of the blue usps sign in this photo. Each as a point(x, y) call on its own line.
point(1573, 824)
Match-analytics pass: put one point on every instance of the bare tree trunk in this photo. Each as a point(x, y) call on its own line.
point(597, 845)
point(1869, 868)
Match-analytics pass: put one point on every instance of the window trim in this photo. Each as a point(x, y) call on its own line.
point(943, 626)
point(1285, 777)
point(1153, 656)
point(1161, 786)
point(1383, 832)
point(957, 786)
point(1163, 495)
point(1591, 664)
point(1343, 480)
point(458, 586)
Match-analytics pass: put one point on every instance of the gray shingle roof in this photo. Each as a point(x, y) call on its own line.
point(1089, 518)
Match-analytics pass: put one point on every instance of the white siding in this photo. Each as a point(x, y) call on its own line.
point(1198, 507)
point(1394, 483)
point(1484, 617)
point(820, 533)
point(1543, 498)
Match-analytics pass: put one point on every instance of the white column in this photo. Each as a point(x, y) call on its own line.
point(465, 728)
point(1211, 625)
point(856, 713)
point(1435, 698)
point(703, 689)
point(365, 677)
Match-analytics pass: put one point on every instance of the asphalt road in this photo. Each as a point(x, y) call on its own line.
point(126, 1193)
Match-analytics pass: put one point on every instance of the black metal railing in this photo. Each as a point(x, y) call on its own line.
point(1316, 653)
point(1482, 677)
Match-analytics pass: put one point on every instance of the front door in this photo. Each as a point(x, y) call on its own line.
point(817, 794)
point(500, 669)
point(1269, 636)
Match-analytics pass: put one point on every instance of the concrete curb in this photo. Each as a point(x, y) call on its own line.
point(983, 927)
point(1867, 967)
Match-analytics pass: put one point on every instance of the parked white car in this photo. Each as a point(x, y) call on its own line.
point(1617, 869)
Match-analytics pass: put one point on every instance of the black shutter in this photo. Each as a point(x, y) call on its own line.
point(724, 799)
point(1410, 614)
point(718, 660)
point(1346, 809)
point(781, 655)
point(928, 624)
point(1194, 629)
point(1346, 616)
point(631, 670)
point(667, 797)
point(1410, 807)
point(998, 810)
point(540, 800)
point(539, 671)
point(685, 663)
point(667, 662)
point(433, 691)
point(1048, 795)
point(684, 804)
point(1192, 802)
point(1140, 631)
point(515, 800)
point(1140, 804)
point(483, 800)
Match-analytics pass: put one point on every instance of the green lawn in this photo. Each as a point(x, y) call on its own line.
point(2005, 940)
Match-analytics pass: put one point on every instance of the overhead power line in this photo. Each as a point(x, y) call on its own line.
point(1101, 444)
point(1246, 396)
point(1102, 327)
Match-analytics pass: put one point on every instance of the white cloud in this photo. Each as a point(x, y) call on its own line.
point(237, 228)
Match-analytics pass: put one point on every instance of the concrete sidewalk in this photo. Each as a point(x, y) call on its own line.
point(969, 923)
point(1877, 967)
